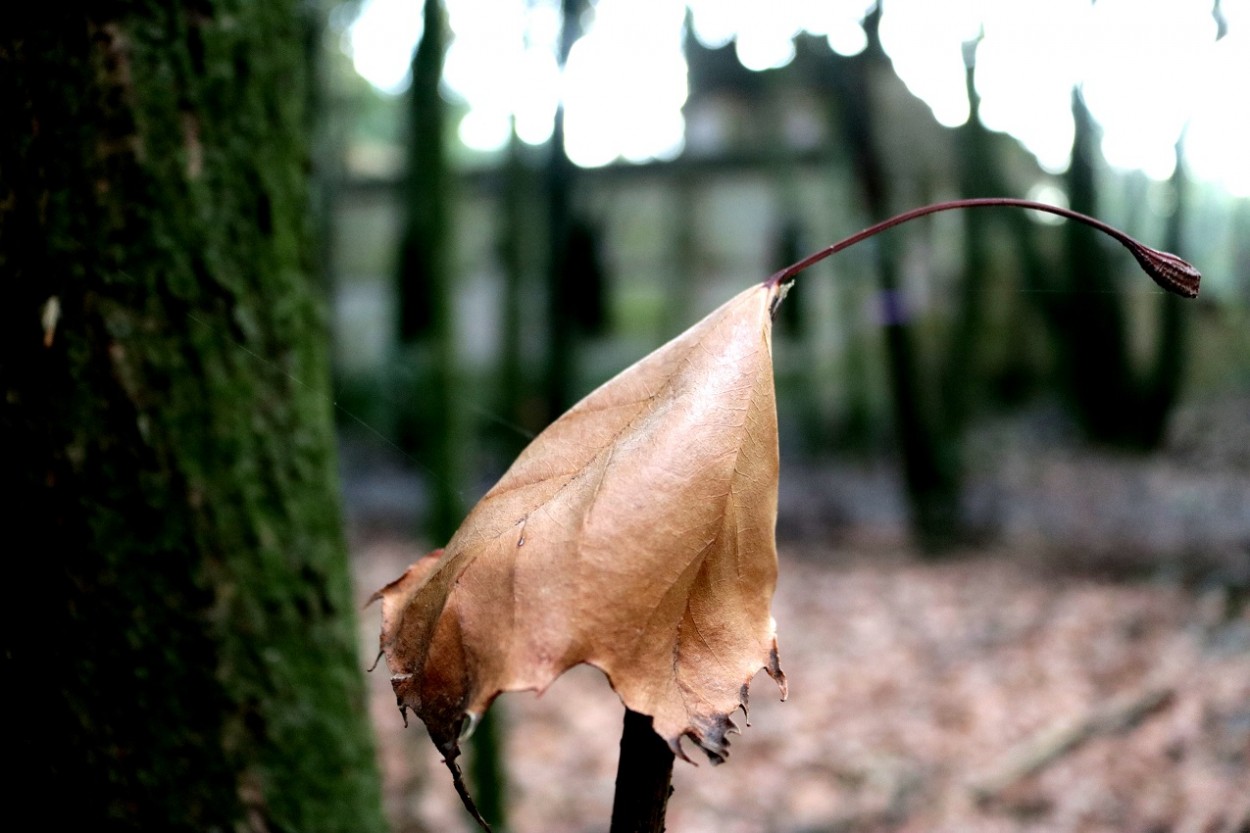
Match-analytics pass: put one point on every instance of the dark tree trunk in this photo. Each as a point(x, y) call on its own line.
point(930, 471)
point(432, 422)
point(962, 377)
point(561, 370)
point(515, 257)
point(1116, 402)
point(560, 365)
point(1165, 380)
point(424, 260)
point(1092, 326)
point(179, 634)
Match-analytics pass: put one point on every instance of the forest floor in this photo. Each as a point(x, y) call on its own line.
point(1086, 668)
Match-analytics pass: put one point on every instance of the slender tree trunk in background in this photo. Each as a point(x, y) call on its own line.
point(428, 329)
point(560, 379)
point(179, 631)
point(516, 203)
point(1114, 401)
point(930, 473)
point(859, 425)
point(436, 430)
point(1166, 375)
point(561, 364)
point(680, 301)
point(1093, 331)
point(424, 258)
point(963, 374)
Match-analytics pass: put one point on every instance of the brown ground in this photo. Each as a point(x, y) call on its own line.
point(911, 682)
point(908, 682)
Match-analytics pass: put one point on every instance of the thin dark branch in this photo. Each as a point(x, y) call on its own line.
point(643, 778)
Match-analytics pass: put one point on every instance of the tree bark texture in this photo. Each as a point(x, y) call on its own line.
point(179, 635)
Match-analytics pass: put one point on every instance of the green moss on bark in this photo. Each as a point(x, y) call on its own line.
point(183, 626)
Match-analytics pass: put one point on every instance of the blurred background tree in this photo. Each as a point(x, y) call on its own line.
point(1114, 400)
point(803, 125)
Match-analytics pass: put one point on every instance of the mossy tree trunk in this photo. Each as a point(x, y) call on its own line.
point(179, 635)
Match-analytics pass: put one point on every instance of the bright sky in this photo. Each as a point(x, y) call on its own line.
point(1147, 70)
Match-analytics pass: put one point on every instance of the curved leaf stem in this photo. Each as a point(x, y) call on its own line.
point(1172, 273)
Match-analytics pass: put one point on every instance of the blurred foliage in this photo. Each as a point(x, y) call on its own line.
point(988, 314)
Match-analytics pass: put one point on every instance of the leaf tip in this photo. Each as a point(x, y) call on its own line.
point(1172, 273)
point(457, 779)
point(774, 670)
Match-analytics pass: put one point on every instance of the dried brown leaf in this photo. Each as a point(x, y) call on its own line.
point(635, 534)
